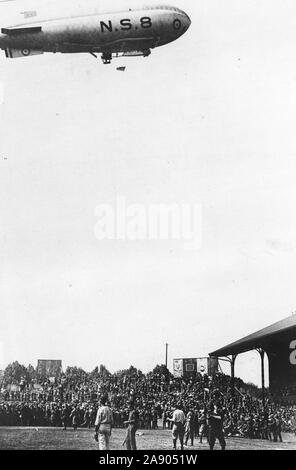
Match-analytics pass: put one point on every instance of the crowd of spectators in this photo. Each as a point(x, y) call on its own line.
point(72, 400)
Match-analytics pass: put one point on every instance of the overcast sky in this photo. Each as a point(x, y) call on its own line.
point(209, 119)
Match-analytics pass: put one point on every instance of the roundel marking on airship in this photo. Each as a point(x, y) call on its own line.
point(26, 52)
point(177, 24)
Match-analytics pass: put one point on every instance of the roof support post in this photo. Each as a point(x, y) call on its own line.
point(232, 361)
point(262, 353)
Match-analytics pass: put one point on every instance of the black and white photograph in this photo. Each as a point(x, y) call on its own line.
point(147, 228)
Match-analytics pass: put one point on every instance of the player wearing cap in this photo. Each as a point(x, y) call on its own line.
point(178, 430)
point(189, 428)
point(132, 423)
point(215, 422)
point(103, 425)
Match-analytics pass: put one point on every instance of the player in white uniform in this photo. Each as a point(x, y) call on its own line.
point(178, 429)
point(103, 425)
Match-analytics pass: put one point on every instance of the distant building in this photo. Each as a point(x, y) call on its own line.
point(49, 368)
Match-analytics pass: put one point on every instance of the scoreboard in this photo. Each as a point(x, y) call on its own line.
point(189, 367)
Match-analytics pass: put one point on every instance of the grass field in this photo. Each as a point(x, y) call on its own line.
point(18, 438)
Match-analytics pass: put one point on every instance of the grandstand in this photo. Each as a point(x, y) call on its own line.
point(277, 342)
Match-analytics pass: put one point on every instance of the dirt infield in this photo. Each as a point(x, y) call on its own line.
point(56, 439)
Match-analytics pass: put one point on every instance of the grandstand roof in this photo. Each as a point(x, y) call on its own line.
point(258, 339)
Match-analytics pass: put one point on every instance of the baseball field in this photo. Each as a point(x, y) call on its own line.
point(31, 438)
